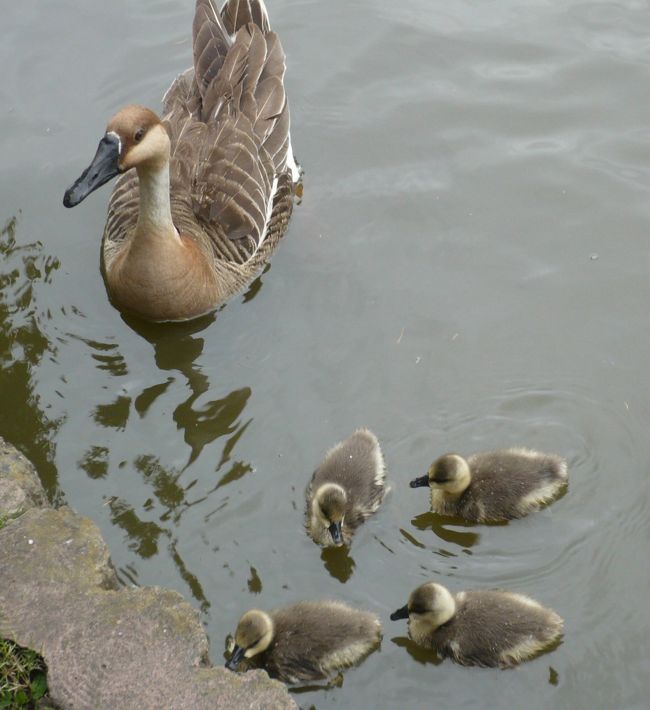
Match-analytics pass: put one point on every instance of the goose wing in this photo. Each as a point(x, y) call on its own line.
point(230, 123)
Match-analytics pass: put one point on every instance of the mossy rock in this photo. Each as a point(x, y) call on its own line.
point(20, 487)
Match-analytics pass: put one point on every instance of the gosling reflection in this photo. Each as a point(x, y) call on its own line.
point(417, 653)
point(440, 525)
point(338, 562)
point(254, 582)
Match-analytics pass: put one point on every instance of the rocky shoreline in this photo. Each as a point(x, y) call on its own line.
point(105, 645)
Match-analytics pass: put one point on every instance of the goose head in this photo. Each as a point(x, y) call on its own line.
point(450, 473)
point(254, 635)
point(134, 138)
point(430, 605)
point(328, 506)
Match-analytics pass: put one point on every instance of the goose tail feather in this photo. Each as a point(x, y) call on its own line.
point(237, 13)
point(211, 42)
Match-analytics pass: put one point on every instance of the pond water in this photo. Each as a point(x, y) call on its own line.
point(468, 269)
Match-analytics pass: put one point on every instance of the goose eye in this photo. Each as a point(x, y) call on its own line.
point(139, 134)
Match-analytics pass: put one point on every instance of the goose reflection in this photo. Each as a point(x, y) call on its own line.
point(338, 562)
point(176, 349)
point(151, 527)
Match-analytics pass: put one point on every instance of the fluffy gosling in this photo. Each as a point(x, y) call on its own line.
point(493, 486)
point(311, 640)
point(345, 489)
point(480, 628)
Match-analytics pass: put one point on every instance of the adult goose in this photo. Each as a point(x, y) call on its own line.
point(206, 191)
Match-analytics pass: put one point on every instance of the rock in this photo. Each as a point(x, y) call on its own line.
point(20, 487)
point(55, 547)
point(105, 646)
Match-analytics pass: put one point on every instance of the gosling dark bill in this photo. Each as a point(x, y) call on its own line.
point(419, 482)
point(236, 658)
point(335, 532)
point(402, 613)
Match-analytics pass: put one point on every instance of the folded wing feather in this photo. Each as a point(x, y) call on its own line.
point(244, 109)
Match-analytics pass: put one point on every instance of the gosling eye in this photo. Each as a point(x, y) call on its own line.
point(139, 135)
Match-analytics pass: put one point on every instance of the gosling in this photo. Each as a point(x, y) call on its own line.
point(493, 486)
point(481, 628)
point(345, 489)
point(311, 640)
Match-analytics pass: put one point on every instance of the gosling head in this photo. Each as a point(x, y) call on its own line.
point(254, 635)
point(450, 473)
point(430, 604)
point(329, 508)
point(134, 137)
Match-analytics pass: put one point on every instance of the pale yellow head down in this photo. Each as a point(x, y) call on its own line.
point(254, 632)
point(328, 509)
point(329, 503)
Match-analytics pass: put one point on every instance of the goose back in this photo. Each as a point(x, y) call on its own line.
point(228, 120)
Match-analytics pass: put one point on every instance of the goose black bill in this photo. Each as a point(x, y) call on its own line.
point(103, 167)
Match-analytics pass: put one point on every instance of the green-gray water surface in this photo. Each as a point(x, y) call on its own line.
point(468, 269)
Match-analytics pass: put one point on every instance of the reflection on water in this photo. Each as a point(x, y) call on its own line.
point(171, 482)
point(423, 656)
point(143, 535)
point(176, 349)
point(441, 525)
point(189, 578)
point(338, 562)
point(23, 420)
point(335, 682)
point(115, 414)
point(95, 462)
point(254, 582)
point(255, 287)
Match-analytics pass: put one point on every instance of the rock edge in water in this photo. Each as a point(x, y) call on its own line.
point(105, 646)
